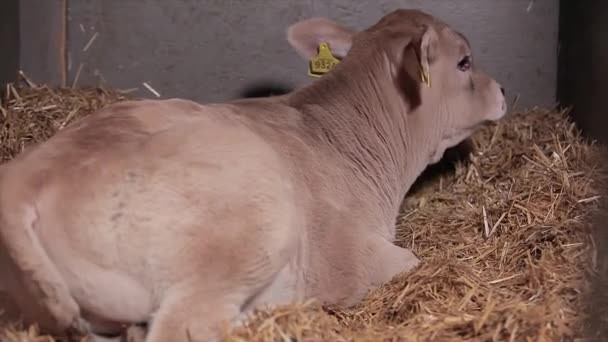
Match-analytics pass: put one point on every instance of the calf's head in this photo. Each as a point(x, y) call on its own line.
point(409, 46)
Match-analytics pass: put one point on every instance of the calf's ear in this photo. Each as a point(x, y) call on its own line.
point(413, 54)
point(306, 35)
point(428, 51)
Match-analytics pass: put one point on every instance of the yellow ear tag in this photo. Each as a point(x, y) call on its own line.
point(323, 62)
point(426, 78)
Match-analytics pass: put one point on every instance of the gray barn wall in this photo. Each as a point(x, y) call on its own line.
point(42, 41)
point(207, 50)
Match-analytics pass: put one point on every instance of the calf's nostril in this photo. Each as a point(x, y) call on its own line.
point(502, 90)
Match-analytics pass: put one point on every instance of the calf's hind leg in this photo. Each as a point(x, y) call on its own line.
point(191, 313)
point(38, 288)
point(199, 307)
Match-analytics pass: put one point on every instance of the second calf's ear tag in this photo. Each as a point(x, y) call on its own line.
point(323, 62)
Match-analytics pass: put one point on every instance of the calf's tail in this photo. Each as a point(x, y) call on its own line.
point(36, 285)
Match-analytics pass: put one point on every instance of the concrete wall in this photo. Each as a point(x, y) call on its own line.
point(42, 42)
point(207, 50)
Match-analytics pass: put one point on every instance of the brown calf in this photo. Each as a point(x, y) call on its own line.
point(186, 215)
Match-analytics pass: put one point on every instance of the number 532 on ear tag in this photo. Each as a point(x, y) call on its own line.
point(323, 62)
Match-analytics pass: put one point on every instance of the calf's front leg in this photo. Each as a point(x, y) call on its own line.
point(389, 260)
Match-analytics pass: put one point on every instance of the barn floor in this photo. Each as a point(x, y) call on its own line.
point(505, 241)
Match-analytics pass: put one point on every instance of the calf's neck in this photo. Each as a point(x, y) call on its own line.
point(186, 216)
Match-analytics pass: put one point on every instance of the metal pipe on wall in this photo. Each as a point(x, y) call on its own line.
point(9, 41)
point(583, 64)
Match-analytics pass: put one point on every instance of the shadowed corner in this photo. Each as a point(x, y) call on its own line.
point(8, 309)
point(453, 156)
point(596, 298)
point(265, 89)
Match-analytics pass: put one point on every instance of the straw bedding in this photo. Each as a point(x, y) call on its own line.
point(505, 239)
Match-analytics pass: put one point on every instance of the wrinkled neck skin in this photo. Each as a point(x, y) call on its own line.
point(359, 114)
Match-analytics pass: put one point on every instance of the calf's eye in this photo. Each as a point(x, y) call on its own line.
point(465, 64)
